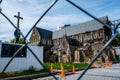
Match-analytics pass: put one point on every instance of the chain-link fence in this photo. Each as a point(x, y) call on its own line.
point(42, 16)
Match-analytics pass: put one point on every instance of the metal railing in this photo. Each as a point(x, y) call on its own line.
point(42, 16)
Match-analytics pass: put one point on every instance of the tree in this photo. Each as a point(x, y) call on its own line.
point(21, 41)
point(12, 41)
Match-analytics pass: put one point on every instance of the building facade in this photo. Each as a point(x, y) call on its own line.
point(81, 42)
point(23, 60)
point(42, 37)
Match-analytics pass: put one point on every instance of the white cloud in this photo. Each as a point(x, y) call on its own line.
point(5, 37)
point(29, 13)
point(59, 20)
point(31, 10)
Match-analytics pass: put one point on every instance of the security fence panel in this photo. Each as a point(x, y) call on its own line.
point(19, 49)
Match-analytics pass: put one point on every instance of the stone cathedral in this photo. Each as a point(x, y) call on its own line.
point(75, 43)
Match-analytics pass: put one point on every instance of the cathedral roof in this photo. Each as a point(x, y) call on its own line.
point(80, 28)
point(45, 33)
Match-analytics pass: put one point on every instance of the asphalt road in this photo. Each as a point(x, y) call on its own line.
point(107, 73)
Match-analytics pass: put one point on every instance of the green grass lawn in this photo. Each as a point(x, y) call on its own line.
point(32, 70)
point(21, 73)
point(66, 66)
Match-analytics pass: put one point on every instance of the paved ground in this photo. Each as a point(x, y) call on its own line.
point(107, 73)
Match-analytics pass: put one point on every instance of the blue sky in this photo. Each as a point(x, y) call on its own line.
point(62, 13)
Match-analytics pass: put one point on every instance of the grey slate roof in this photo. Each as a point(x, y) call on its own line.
point(80, 28)
point(45, 33)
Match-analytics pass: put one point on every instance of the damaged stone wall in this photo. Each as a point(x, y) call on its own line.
point(90, 36)
point(89, 45)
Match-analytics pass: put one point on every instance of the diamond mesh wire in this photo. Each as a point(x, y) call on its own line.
point(42, 16)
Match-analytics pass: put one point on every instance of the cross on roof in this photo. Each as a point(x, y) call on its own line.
point(18, 19)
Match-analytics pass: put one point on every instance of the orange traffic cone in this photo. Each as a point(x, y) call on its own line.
point(73, 70)
point(62, 73)
point(102, 65)
point(51, 68)
point(118, 62)
point(61, 67)
point(110, 64)
point(62, 70)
